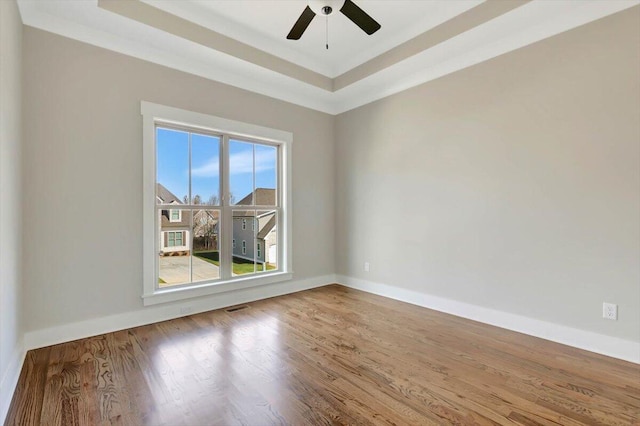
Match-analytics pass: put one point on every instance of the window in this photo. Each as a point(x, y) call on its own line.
point(205, 181)
point(175, 239)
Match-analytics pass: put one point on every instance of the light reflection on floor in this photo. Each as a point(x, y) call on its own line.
point(228, 357)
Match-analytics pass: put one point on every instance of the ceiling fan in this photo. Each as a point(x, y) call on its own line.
point(329, 7)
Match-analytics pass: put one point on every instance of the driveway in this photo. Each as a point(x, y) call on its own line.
point(175, 270)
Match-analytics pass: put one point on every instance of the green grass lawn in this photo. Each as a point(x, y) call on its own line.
point(238, 268)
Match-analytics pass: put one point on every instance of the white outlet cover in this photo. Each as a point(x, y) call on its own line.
point(610, 311)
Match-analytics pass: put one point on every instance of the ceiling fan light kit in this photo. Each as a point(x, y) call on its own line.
point(328, 8)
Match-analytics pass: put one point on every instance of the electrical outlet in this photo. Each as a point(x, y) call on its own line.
point(610, 311)
point(186, 310)
point(366, 266)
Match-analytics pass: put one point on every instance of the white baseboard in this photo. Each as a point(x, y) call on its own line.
point(10, 380)
point(627, 350)
point(152, 314)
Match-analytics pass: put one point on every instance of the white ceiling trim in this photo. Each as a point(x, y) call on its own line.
point(86, 22)
point(537, 20)
point(523, 26)
point(202, 16)
point(195, 12)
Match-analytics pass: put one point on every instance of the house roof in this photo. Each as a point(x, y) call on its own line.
point(263, 197)
point(265, 225)
point(166, 196)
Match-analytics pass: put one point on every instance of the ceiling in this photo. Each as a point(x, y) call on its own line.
point(265, 24)
point(243, 42)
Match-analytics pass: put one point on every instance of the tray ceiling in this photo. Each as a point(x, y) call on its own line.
point(243, 42)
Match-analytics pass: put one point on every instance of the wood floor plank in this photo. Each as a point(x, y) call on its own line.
point(327, 356)
point(29, 395)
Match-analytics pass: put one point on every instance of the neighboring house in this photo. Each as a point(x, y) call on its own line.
point(174, 225)
point(246, 224)
point(175, 228)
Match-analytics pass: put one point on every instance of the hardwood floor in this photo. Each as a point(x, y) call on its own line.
point(331, 355)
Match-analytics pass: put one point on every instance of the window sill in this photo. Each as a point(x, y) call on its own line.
point(240, 283)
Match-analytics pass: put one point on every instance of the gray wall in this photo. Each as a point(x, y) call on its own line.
point(84, 155)
point(513, 184)
point(247, 235)
point(10, 197)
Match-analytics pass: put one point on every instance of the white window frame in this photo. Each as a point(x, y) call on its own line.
point(171, 215)
point(175, 233)
point(154, 114)
point(166, 248)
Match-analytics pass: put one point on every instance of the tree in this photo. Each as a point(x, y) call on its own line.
point(196, 199)
point(205, 229)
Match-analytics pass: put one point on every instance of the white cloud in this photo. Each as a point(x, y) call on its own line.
point(239, 163)
point(209, 169)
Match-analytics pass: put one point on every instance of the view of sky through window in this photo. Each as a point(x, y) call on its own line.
point(244, 159)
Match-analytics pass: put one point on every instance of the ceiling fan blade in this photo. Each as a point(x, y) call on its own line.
point(301, 24)
point(359, 17)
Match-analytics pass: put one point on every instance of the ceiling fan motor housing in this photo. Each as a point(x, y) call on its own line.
point(326, 7)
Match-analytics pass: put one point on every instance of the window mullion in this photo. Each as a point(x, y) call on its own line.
point(226, 231)
point(188, 235)
point(255, 212)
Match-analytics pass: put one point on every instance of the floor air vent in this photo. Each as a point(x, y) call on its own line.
point(236, 308)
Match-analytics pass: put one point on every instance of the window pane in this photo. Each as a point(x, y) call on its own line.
point(172, 148)
point(174, 264)
point(205, 169)
point(206, 249)
point(241, 172)
point(267, 239)
point(244, 236)
point(266, 174)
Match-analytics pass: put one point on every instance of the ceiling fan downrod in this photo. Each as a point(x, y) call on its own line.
point(327, 35)
point(326, 10)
